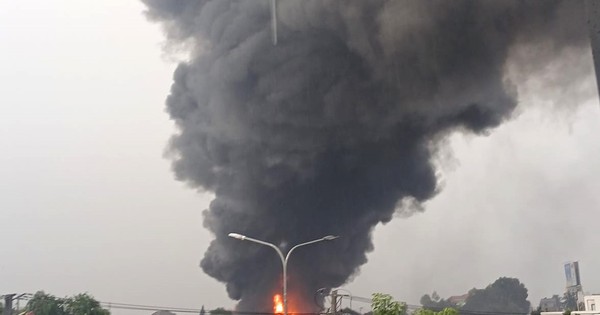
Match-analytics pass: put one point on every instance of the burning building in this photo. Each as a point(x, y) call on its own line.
point(333, 130)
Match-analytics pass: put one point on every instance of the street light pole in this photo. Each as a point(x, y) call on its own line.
point(274, 22)
point(285, 259)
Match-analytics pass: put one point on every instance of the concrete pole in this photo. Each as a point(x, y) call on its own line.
point(274, 22)
point(8, 298)
point(334, 297)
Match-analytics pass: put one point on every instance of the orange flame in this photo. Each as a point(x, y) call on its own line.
point(277, 304)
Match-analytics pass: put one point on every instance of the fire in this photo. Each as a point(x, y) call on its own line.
point(277, 304)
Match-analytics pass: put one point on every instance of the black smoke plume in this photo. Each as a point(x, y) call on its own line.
point(333, 130)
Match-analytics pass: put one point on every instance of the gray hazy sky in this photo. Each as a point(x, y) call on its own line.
point(90, 204)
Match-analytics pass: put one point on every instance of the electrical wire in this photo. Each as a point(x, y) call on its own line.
point(142, 307)
point(437, 309)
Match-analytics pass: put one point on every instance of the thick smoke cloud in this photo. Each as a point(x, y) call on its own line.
point(333, 130)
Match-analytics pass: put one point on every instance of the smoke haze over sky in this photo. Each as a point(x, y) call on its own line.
point(334, 130)
point(89, 200)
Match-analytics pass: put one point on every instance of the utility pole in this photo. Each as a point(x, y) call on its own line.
point(274, 22)
point(8, 298)
point(334, 297)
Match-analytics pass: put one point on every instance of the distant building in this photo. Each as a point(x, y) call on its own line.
point(585, 304)
point(592, 302)
point(591, 305)
point(552, 304)
point(572, 274)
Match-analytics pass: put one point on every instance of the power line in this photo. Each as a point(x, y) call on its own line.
point(148, 307)
point(143, 307)
point(437, 309)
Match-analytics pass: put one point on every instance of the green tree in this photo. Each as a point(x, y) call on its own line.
point(569, 300)
point(83, 304)
point(383, 304)
point(445, 311)
point(448, 311)
point(505, 295)
point(220, 311)
point(45, 304)
point(537, 311)
point(435, 302)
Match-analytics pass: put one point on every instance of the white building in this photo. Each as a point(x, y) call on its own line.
point(592, 302)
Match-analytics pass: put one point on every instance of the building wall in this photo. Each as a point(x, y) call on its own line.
point(552, 304)
point(592, 302)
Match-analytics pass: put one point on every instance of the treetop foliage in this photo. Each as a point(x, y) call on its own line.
point(383, 304)
point(81, 304)
point(505, 295)
point(435, 302)
point(220, 311)
point(445, 311)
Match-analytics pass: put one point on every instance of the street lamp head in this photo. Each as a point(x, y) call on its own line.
point(330, 237)
point(237, 236)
